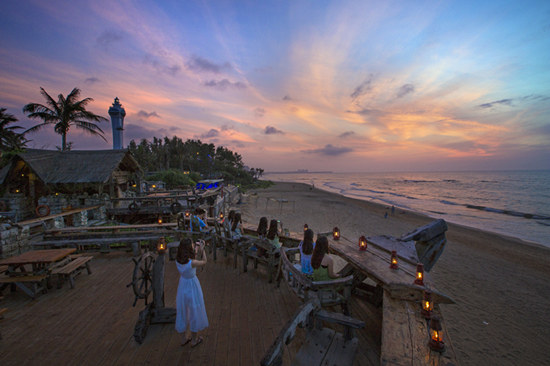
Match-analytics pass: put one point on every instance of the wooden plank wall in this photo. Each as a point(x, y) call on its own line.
point(93, 324)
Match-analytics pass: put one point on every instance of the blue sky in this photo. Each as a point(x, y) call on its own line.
point(319, 85)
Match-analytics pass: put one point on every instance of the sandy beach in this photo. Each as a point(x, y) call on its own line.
point(501, 285)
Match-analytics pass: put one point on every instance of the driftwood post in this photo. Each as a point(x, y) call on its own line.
point(155, 312)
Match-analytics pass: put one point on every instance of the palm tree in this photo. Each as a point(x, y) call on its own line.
point(63, 114)
point(9, 139)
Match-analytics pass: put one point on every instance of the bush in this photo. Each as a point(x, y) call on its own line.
point(174, 178)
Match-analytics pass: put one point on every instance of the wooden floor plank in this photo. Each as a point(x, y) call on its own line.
point(93, 323)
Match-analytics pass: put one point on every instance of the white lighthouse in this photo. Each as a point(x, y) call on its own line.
point(117, 114)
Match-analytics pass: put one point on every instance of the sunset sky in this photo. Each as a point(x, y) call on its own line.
point(320, 85)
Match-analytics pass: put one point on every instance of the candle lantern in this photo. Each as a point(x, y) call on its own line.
point(362, 243)
point(419, 275)
point(187, 214)
point(436, 335)
point(393, 261)
point(221, 216)
point(427, 304)
point(336, 233)
point(306, 227)
point(161, 245)
point(159, 220)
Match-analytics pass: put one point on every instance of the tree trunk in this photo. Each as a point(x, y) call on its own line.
point(63, 141)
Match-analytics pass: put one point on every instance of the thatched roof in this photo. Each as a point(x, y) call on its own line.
point(78, 166)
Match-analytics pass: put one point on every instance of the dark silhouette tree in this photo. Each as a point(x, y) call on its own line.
point(9, 138)
point(64, 113)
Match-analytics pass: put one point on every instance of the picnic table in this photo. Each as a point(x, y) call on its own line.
point(405, 332)
point(32, 280)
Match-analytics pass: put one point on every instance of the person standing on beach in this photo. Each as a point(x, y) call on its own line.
point(190, 310)
point(322, 263)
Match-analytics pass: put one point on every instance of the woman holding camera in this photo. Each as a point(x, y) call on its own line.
point(190, 310)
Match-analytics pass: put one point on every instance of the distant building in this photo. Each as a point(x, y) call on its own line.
point(117, 114)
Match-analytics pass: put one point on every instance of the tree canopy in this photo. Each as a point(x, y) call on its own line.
point(209, 161)
point(64, 113)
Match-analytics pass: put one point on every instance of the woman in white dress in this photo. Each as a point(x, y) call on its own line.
point(190, 310)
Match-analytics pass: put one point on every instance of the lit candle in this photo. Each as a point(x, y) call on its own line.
point(160, 220)
point(419, 275)
point(187, 214)
point(393, 263)
point(362, 243)
point(221, 216)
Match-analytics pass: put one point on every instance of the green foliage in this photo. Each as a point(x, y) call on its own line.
point(63, 114)
point(10, 139)
point(173, 178)
point(201, 160)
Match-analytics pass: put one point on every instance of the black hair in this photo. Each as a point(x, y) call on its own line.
point(272, 232)
point(307, 245)
point(262, 226)
point(321, 248)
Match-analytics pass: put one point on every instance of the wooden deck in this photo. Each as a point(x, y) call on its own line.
point(93, 324)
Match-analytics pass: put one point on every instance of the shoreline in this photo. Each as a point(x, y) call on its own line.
point(500, 283)
point(484, 210)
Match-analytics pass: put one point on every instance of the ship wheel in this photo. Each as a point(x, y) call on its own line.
point(143, 276)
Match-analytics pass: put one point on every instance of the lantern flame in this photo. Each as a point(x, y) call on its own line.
point(161, 245)
point(436, 335)
point(419, 275)
point(393, 261)
point(362, 243)
point(336, 233)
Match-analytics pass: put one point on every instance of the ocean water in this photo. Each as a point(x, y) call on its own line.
point(514, 203)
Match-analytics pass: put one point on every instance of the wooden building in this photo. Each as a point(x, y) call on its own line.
point(38, 173)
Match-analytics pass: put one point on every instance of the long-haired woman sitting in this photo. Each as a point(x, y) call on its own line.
point(273, 234)
point(306, 249)
point(322, 262)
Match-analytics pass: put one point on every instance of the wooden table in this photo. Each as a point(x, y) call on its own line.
point(375, 262)
point(405, 332)
point(34, 280)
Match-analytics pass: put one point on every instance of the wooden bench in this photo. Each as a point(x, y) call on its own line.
point(29, 284)
point(71, 269)
point(225, 241)
point(330, 293)
point(322, 346)
point(261, 252)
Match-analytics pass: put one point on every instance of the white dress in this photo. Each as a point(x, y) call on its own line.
point(190, 309)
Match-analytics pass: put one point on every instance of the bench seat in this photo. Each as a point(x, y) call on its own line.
point(72, 269)
point(269, 257)
point(330, 293)
point(29, 284)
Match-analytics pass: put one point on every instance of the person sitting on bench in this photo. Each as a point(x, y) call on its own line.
point(198, 221)
point(306, 249)
point(321, 262)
